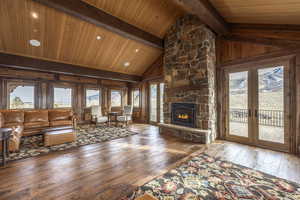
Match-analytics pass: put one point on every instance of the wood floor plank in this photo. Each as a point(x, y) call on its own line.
point(113, 169)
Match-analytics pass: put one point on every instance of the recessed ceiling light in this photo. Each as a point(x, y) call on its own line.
point(137, 50)
point(98, 37)
point(35, 43)
point(34, 15)
point(126, 64)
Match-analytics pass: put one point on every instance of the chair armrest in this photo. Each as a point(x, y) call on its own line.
point(74, 119)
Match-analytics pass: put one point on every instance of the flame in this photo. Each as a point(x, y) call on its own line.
point(183, 116)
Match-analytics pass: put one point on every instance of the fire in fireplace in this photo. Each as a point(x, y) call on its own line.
point(183, 114)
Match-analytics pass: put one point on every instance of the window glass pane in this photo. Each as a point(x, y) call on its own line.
point(92, 98)
point(136, 98)
point(62, 97)
point(153, 102)
point(271, 104)
point(21, 97)
point(116, 98)
point(238, 104)
point(161, 102)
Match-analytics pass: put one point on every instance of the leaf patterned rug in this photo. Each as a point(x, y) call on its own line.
point(86, 134)
point(205, 177)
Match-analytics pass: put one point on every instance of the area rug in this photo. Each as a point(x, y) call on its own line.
point(86, 134)
point(205, 177)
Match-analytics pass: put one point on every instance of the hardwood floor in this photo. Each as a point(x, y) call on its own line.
point(112, 169)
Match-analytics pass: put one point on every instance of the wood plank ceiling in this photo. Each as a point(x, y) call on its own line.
point(70, 40)
point(259, 11)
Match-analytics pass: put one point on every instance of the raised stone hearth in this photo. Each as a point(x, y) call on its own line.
point(190, 73)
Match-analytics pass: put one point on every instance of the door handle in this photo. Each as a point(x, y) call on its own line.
point(249, 113)
point(256, 113)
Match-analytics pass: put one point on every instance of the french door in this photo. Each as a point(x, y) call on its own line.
point(156, 94)
point(257, 106)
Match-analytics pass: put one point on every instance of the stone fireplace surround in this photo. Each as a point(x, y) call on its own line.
point(189, 75)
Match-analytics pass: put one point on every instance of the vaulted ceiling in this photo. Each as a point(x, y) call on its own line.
point(259, 11)
point(68, 39)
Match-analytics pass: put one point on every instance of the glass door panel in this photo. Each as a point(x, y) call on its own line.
point(153, 102)
point(161, 86)
point(238, 104)
point(271, 104)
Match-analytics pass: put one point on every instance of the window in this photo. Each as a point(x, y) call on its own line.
point(21, 97)
point(92, 97)
point(62, 98)
point(161, 86)
point(153, 103)
point(116, 98)
point(136, 98)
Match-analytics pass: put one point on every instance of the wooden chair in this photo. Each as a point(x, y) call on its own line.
point(126, 115)
point(97, 116)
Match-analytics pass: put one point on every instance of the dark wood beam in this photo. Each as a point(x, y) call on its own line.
point(277, 27)
point(258, 58)
point(95, 16)
point(21, 62)
point(283, 43)
point(206, 13)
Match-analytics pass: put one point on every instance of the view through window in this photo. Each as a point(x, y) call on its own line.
point(62, 98)
point(136, 98)
point(92, 97)
point(21, 97)
point(238, 103)
point(271, 104)
point(116, 98)
point(153, 102)
point(161, 86)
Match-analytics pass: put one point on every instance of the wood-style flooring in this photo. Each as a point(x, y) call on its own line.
point(112, 169)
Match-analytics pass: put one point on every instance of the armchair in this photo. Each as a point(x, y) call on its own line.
point(97, 116)
point(126, 115)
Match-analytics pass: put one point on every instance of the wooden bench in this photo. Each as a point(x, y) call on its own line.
point(57, 137)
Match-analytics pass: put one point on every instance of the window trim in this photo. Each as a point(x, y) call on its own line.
point(63, 87)
point(136, 89)
point(121, 93)
point(92, 88)
point(22, 83)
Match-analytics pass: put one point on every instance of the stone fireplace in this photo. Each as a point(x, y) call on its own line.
point(190, 73)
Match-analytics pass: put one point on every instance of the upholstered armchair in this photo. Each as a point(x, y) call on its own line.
point(97, 117)
point(126, 115)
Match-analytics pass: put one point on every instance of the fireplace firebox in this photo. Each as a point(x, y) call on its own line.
point(183, 114)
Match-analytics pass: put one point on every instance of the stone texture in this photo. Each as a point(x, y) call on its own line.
point(190, 62)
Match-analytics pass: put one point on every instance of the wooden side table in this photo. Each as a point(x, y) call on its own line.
point(111, 115)
point(5, 134)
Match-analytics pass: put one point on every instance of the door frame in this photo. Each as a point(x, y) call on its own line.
point(290, 122)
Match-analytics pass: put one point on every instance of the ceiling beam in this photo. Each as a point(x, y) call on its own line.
point(90, 14)
point(283, 43)
point(21, 62)
point(277, 27)
point(206, 13)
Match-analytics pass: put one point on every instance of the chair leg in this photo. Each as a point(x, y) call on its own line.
point(7, 148)
point(3, 152)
